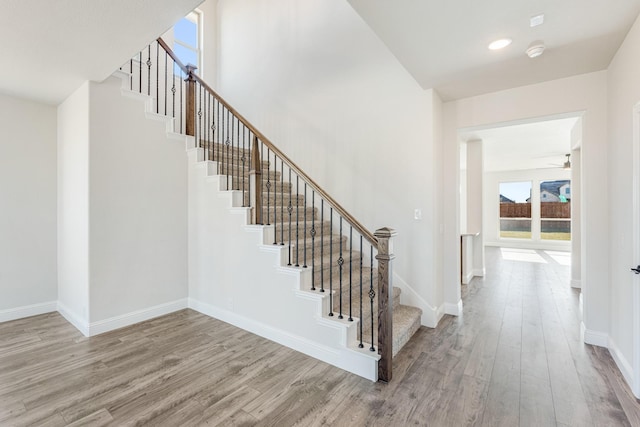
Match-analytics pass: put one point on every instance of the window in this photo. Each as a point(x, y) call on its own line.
point(555, 210)
point(515, 210)
point(187, 40)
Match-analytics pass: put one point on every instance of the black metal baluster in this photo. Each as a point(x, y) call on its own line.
point(149, 71)
point(297, 221)
point(281, 202)
point(205, 123)
point(199, 127)
point(237, 183)
point(216, 133)
point(305, 226)
point(227, 142)
point(350, 271)
point(361, 345)
point(313, 241)
point(244, 138)
point(372, 295)
point(140, 75)
point(166, 64)
point(340, 263)
point(322, 245)
point(275, 198)
point(268, 184)
point(208, 125)
point(290, 210)
point(181, 113)
point(248, 184)
point(261, 186)
point(157, 78)
point(331, 260)
point(131, 74)
point(173, 90)
point(212, 126)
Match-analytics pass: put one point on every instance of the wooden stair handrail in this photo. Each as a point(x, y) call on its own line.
point(342, 211)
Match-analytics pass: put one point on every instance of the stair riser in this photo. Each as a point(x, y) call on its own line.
point(321, 230)
point(366, 309)
point(282, 216)
point(235, 166)
point(271, 199)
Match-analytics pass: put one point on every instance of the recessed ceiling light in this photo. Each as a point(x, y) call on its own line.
point(499, 44)
point(536, 20)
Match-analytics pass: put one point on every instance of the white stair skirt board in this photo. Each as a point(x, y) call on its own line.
point(600, 339)
point(576, 283)
point(353, 361)
point(430, 315)
point(27, 311)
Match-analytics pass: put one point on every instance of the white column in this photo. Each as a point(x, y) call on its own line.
point(475, 172)
point(576, 188)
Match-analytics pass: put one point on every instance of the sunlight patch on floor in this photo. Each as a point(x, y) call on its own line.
point(562, 258)
point(524, 255)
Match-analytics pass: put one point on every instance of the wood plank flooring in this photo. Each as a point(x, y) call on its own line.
point(513, 359)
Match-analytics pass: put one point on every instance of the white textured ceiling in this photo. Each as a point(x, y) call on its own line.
point(443, 44)
point(539, 145)
point(49, 47)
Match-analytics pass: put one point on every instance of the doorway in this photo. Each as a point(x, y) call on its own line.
point(529, 175)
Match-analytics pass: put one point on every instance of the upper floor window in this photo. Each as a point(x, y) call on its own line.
point(187, 36)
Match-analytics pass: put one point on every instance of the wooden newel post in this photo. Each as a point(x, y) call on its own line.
point(255, 184)
point(190, 102)
point(385, 301)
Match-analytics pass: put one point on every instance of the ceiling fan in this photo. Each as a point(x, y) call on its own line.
point(566, 164)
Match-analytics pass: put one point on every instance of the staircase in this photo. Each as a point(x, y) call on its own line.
point(319, 251)
point(336, 261)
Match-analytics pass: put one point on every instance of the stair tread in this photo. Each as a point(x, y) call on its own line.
point(406, 321)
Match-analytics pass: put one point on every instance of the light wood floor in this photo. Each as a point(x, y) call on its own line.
point(514, 358)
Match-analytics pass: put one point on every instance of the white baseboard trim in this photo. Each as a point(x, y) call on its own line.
point(479, 272)
point(9, 314)
point(430, 315)
point(74, 319)
point(575, 283)
point(453, 309)
point(600, 339)
point(128, 319)
point(581, 305)
point(467, 278)
point(357, 362)
point(623, 364)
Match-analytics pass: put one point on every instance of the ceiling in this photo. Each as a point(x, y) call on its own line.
point(540, 145)
point(443, 44)
point(49, 47)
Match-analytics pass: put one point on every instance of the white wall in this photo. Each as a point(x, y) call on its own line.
point(73, 208)
point(122, 219)
point(315, 79)
point(27, 208)
point(584, 94)
point(491, 206)
point(138, 208)
point(624, 94)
